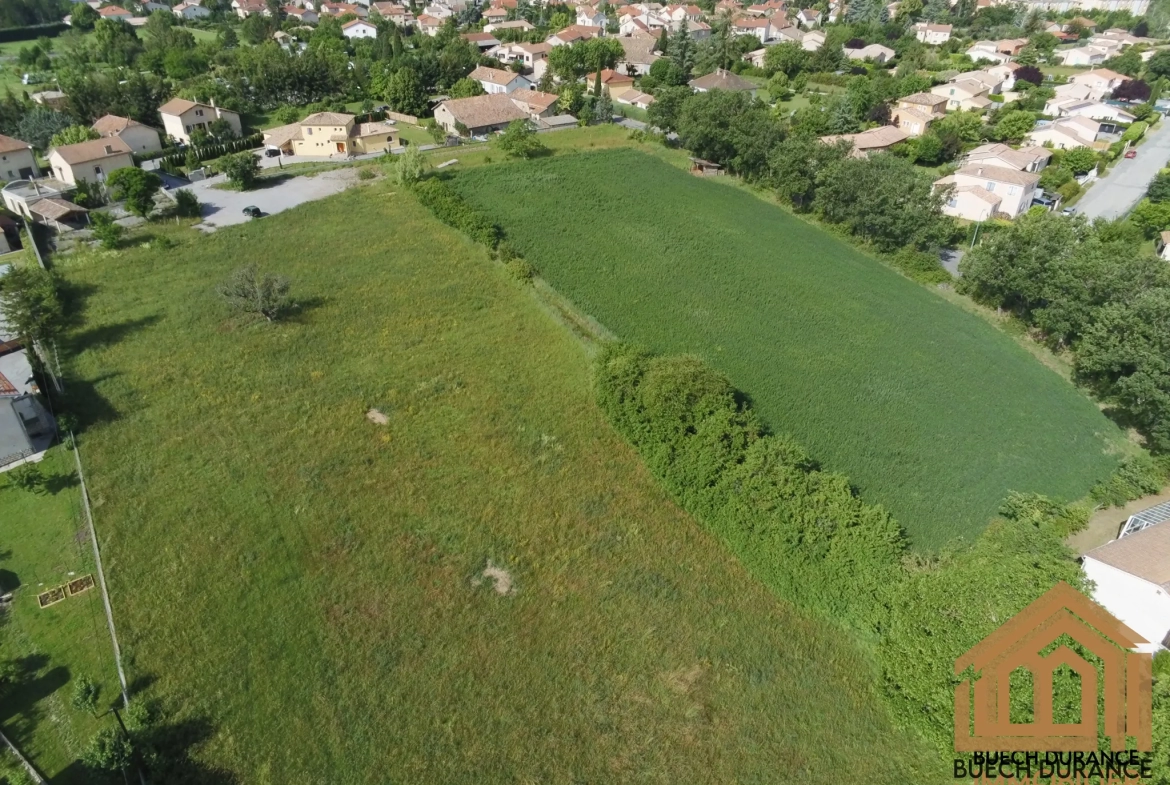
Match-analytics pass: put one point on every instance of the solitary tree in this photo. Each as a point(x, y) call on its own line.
point(410, 166)
point(109, 751)
point(520, 140)
point(241, 169)
point(251, 292)
point(85, 694)
point(187, 204)
point(137, 187)
point(108, 233)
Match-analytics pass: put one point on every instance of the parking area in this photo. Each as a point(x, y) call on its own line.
point(224, 207)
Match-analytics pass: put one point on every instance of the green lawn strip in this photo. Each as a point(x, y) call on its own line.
point(928, 409)
point(43, 544)
point(306, 581)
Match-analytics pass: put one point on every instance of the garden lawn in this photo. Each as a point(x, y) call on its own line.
point(43, 544)
point(310, 584)
point(929, 410)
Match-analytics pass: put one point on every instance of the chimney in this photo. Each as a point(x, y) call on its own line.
point(109, 149)
point(980, 172)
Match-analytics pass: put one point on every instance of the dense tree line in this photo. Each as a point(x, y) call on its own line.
point(804, 533)
point(1086, 288)
point(23, 13)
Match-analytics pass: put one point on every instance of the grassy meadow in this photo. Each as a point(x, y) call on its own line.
point(43, 544)
point(489, 587)
point(930, 410)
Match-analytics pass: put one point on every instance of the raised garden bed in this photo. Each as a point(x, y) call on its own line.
point(51, 597)
point(77, 586)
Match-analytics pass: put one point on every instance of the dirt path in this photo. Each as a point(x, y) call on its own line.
point(1106, 524)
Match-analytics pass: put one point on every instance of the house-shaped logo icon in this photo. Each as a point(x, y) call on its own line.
point(1019, 643)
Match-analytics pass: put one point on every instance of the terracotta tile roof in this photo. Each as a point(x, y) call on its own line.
point(484, 110)
point(535, 99)
point(925, 99)
point(494, 75)
point(93, 150)
point(980, 193)
point(1144, 553)
point(176, 106)
point(874, 138)
point(722, 80)
point(113, 10)
point(56, 209)
point(10, 145)
point(478, 37)
point(7, 387)
point(112, 124)
point(1000, 174)
point(328, 118)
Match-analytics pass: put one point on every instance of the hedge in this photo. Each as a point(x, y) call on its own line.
point(451, 208)
point(211, 151)
point(32, 32)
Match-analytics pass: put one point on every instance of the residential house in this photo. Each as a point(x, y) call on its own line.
point(588, 16)
point(808, 17)
point(140, 138)
point(359, 28)
point(149, 7)
point(989, 80)
point(495, 14)
point(522, 25)
point(574, 33)
point(721, 79)
point(495, 80)
point(1026, 159)
point(1131, 580)
point(1084, 23)
point(788, 35)
point(17, 161)
point(914, 113)
point(1066, 133)
point(1100, 80)
point(678, 15)
point(1011, 46)
point(304, 15)
point(634, 97)
point(756, 57)
point(54, 99)
point(874, 52)
point(180, 117)
point(21, 195)
point(90, 161)
point(482, 40)
point(1071, 107)
point(611, 81)
point(987, 50)
point(981, 191)
point(479, 115)
point(875, 140)
point(760, 28)
point(813, 41)
point(246, 8)
point(115, 12)
point(190, 10)
point(638, 55)
point(329, 134)
point(966, 94)
point(538, 105)
point(1083, 55)
point(1005, 73)
point(932, 34)
point(429, 25)
point(1078, 91)
point(393, 12)
point(340, 9)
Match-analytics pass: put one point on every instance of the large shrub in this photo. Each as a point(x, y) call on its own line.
point(451, 208)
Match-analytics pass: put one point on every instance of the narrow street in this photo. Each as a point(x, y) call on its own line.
point(1116, 194)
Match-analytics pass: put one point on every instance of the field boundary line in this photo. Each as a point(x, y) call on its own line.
point(97, 557)
point(36, 775)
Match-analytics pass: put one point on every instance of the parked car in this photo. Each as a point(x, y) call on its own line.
point(1069, 211)
point(252, 211)
point(271, 152)
point(1131, 153)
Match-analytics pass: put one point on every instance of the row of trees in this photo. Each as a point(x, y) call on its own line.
point(1086, 288)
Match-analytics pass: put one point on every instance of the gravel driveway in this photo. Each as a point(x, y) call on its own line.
point(225, 208)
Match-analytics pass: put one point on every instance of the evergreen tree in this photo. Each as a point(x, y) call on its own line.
point(602, 103)
point(663, 41)
point(682, 52)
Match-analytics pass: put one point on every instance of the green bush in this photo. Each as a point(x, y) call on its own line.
point(519, 269)
point(451, 208)
point(1135, 132)
point(1043, 512)
point(921, 266)
point(1137, 476)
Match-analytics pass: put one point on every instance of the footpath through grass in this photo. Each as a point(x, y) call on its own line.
point(310, 586)
point(930, 410)
point(43, 544)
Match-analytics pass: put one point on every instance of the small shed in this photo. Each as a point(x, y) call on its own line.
point(705, 168)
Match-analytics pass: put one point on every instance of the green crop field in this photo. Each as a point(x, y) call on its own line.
point(930, 410)
point(306, 588)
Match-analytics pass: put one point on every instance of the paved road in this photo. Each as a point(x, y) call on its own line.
point(224, 208)
point(1115, 195)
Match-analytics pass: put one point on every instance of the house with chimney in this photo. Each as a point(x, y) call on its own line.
point(979, 191)
point(182, 117)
